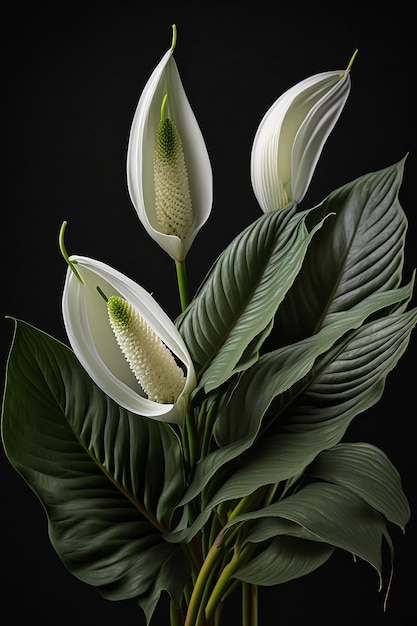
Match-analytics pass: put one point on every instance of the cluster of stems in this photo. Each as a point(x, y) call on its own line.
point(215, 553)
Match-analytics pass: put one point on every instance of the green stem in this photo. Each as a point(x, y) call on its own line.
point(191, 433)
point(271, 494)
point(176, 616)
point(208, 429)
point(223, 581)
point(240, 507)
point(182, 283)
point(201, 620)
point(185, 444)
point(249, 604)
point(211, 533)
point(200, 584)
point(65, 253)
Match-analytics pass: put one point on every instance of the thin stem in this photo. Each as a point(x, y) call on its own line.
point(223, 581)
point(202, 579)
point(240, 507)
point(174, 37)
point(176, 616)
point(351, 60)
point(201, 621)
point(218, 615)
point(185, 444)
point(182, 283)
point(191, 434)
point(65, 253)
point(212, 533)
point(208, 429)
point(271, 494)
point(249, 604)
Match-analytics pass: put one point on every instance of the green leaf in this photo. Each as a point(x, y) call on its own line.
point(357, 252)
point(277, 371)
point(329, 513)
point(171, 576)
point(272, 375)
point(367, 471)
point(233, 308)
point(109, 480)
point(284, 559)
point(314, 414)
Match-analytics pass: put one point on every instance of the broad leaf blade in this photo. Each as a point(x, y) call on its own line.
point(284, 559)
point(314, 414)
point(367, 471)
point(270, 377)
point(278, 371)
point(109, 480)
point(236, 303)
point(357, 252)
point(331, 514)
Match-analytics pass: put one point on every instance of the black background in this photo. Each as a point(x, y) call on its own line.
point(72, 74)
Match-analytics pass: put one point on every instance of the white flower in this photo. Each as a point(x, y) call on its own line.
point(291, 136)
point(96, 346)
point(192, 168)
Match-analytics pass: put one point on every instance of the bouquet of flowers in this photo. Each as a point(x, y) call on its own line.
point(203, 454)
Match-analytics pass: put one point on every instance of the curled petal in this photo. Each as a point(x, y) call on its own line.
point(291, 136)
point(93, 341)
point(164, 80)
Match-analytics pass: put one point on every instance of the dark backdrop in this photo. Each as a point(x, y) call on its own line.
point(71, 79)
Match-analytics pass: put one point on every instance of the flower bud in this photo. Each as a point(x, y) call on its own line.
point(291, 136)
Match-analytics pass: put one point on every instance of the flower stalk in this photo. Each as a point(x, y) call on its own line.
point(182, 284)
point(250, 601)
point(203, 577)
point(223, 581)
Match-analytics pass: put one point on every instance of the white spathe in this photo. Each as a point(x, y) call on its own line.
point(165, 79)
point(93, 342)
point(291, 136)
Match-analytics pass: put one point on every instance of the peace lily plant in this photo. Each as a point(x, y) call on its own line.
point(196, 456)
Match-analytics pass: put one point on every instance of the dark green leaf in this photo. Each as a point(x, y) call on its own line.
point(284, 559)
point(329, 513)
point(278, 371)
point(233, 308)
point(272, 375)
point(357, 252)
point(314, 414)
point(109, 480)
point(369, 473)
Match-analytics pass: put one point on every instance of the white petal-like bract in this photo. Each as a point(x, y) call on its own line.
point(92, 339)
point(165, 80)
point(291, 136)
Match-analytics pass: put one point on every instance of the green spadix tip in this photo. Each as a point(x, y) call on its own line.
point(120, 311)
point(65, 253)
